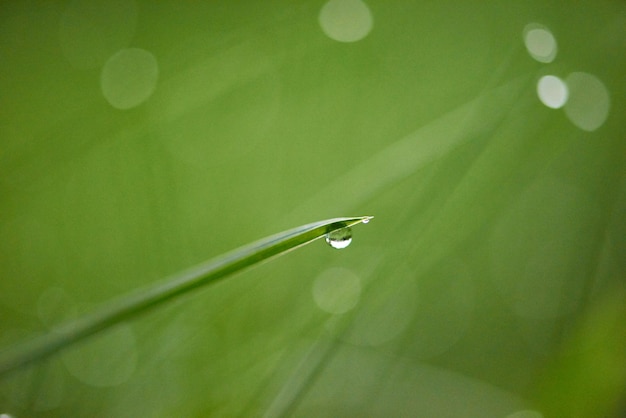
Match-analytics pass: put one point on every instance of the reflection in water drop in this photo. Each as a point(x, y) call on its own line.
point(588, 104)
point(339, 238)
point(552, 91)
point(346, 20)
point(366, 220)
point(540, 42)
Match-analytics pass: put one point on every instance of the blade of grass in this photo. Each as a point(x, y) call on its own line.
point(305, 374)
point(421, 147)
point(133, 304)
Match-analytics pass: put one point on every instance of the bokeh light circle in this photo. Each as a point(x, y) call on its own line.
point(552, 91)
point(589, 101)
point(129, 78)
point(346, 20)
point(337, 290)
point(540, 43)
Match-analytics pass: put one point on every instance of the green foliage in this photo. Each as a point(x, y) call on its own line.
point(128, 307)
point(139, 138)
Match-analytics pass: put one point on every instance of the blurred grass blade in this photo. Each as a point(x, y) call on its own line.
point(135, 303)
point(292, 391)
point(404, 157)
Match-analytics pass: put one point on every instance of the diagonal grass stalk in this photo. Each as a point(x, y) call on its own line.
point(135, 303)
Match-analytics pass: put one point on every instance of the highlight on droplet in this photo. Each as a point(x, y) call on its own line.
point(589, 102)
point(346, 20)
point(552, 91)
point(337, 290)
point(540, 42)
point(129, 78)
point(339, 238)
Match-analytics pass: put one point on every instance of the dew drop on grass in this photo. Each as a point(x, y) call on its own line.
point(339, 238)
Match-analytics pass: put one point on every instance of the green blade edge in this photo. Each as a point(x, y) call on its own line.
point(129, 306)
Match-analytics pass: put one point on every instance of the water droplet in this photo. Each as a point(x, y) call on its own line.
point(366, 220)
point(339, 238)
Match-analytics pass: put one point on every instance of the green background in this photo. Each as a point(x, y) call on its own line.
point(491, 279)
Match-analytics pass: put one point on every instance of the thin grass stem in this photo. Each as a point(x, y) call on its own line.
point(131, 305)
